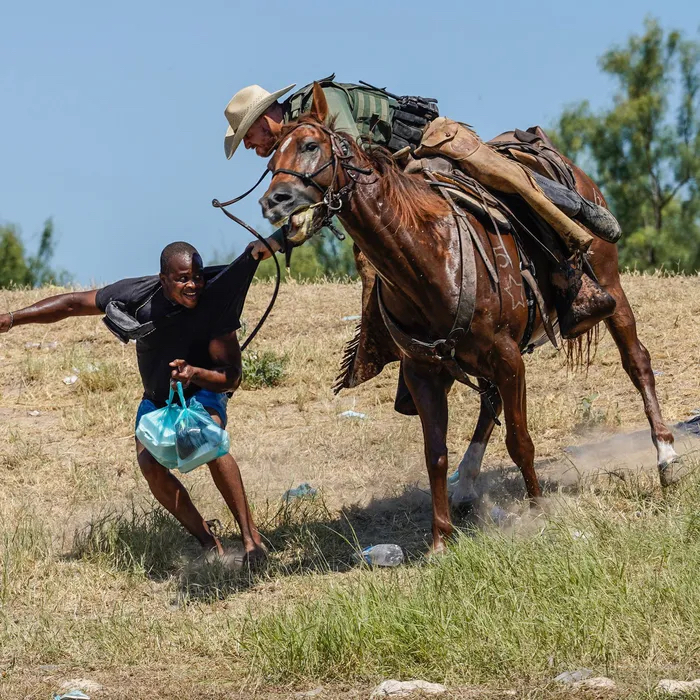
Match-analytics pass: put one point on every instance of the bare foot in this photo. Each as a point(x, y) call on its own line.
point(255, 557)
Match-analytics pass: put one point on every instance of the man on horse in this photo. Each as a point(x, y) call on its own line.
point(405, 125)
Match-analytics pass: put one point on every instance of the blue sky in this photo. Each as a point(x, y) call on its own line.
point(112, 114)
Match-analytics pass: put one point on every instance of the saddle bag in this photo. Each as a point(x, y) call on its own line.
point(410, 118)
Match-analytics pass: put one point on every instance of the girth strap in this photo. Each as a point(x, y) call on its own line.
point(442, 351)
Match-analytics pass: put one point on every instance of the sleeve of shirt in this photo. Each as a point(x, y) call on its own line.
point(229, 290)
point(128, 291)
point(339, 107)
point(278, 237)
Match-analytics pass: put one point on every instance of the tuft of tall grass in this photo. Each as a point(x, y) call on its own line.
point(24, 540)
point(142, 542)
point(104, 377)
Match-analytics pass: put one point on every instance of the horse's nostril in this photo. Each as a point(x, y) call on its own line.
point(280, 197)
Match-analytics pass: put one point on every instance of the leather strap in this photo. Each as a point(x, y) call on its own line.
point(443, 350)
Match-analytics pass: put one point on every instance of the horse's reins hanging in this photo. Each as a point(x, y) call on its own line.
point(332, 200)
point(222, 205)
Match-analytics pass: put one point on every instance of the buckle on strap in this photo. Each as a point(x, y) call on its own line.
point(445, 348)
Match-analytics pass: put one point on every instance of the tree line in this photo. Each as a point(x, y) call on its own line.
point(20, 269)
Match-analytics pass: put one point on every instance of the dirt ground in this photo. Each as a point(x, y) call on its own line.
point(67, 452)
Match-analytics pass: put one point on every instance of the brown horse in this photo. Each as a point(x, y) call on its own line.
point(409, 235)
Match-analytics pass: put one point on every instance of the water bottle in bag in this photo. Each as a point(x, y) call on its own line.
point(198, 439)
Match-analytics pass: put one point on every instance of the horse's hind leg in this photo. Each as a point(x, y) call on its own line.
point(637, 364)
point(509, 377)
point(465, 494)
point(429, 390)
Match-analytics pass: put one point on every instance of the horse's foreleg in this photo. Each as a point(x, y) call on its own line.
point(637, 364)
point(509, 376)
point(429, 390)
point(465, 493)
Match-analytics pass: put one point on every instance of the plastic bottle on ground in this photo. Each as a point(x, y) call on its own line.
point(383, 555)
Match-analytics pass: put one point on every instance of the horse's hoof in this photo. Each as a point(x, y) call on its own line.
point(671, 473)
point(436, 550)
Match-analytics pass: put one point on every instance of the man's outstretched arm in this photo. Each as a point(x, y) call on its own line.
point(225, 353)
point(52, 309)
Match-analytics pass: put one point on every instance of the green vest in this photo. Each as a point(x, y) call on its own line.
point(358, 110)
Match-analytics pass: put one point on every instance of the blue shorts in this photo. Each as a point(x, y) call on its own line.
point(208, 399)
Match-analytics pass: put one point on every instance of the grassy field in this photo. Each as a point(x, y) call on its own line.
point(98, 583)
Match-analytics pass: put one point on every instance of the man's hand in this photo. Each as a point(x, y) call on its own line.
point(260, 252)
point(5, 323)
point(182, 372)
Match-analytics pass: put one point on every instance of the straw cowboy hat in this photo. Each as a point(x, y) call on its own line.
point(243, 109)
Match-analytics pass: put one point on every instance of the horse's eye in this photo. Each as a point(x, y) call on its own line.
point(310, 147)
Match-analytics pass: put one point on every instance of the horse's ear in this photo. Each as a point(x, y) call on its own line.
point(274, 127)
point(319, 106)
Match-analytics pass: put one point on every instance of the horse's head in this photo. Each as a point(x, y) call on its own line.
point(305, 174)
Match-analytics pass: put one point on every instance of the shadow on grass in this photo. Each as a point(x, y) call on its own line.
point(303, 536)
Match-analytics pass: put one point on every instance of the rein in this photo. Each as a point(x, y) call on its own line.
point(222, 205)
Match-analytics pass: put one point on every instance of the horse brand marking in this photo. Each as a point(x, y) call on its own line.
point(512, 282)
point(502, 258)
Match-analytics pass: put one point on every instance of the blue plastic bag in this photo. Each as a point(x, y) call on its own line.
point(198, 438)
point(156, 432)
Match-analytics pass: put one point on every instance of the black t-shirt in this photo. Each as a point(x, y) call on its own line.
point(187, 333)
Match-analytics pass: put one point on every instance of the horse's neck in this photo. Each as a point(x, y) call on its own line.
point(413, 264)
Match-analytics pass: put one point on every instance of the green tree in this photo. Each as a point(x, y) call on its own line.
point(13, 267)
point(324, 256)
point(17, 269)
point(644, 150)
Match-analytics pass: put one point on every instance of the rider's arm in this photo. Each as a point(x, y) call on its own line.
point(225, 353)
point(52, 309)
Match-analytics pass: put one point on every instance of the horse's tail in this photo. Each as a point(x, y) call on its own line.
point(581, 351)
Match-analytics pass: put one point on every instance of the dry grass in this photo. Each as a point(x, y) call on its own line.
point(125, 603)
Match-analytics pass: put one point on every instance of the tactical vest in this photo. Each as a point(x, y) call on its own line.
point(371, 110)
point(384, 119)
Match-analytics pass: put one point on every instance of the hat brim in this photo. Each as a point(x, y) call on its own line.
point(233, 138)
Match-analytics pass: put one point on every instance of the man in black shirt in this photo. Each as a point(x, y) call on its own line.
point(189, 316)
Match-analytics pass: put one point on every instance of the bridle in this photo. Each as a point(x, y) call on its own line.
point(332, 200)
point(333, 197)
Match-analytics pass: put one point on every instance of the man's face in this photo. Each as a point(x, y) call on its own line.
point(184, 281)
point(260, 137)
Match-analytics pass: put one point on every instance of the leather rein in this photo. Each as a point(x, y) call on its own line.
point(222, 205)
point(332, 200)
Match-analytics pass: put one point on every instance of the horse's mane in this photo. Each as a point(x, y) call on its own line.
point(415, 203)
point(410, 196)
